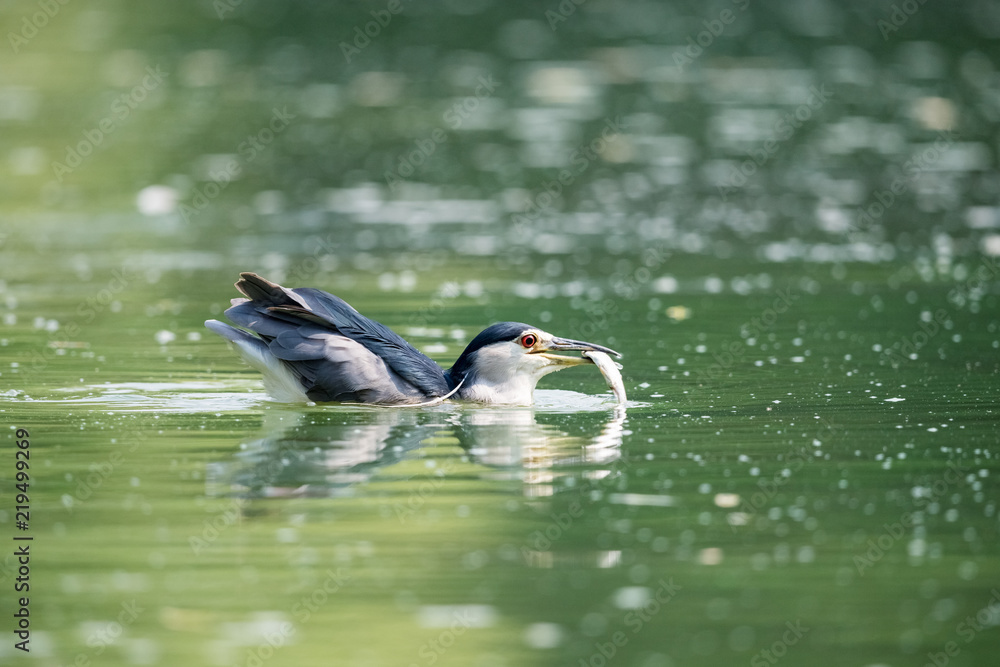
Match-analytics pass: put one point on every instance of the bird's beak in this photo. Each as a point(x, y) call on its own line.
point(565, 345)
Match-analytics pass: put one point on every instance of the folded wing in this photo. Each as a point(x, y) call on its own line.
point(333, 351)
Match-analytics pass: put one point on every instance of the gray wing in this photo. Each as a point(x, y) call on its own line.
point(336, 368)
point(302, 305)
point(328, 346)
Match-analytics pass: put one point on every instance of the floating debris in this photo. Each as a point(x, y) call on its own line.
point(643, 499)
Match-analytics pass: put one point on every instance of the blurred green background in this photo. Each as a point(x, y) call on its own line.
point(785, 214)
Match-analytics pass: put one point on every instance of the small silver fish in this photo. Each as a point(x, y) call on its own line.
point(609, 368)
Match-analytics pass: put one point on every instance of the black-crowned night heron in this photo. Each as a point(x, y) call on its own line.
point(312, 346)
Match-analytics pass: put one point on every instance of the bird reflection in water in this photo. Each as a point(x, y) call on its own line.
point(330, 453)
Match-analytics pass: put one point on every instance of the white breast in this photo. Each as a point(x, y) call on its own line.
point(518, 392)
point(503, 375)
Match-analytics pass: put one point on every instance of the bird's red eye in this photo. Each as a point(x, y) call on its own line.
point(528, 340)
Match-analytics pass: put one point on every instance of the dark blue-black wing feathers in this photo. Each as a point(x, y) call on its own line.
point(272, 308)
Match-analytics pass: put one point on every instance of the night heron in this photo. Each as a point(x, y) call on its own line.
point(312, 346)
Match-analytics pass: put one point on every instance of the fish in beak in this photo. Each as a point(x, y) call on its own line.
point(546, 348)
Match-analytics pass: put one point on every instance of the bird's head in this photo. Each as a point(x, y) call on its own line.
point(505, 361)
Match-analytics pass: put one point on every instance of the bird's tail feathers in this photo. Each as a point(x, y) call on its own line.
point(263, 291)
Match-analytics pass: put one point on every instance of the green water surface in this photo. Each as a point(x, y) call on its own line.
point(791, 233)
point(773, 470)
